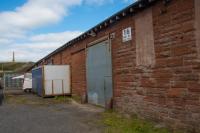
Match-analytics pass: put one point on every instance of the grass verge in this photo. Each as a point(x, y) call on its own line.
point(62, 99)
point(76, 98)
point(116, 123)
point(35, 100)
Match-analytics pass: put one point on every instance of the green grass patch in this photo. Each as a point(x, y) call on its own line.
point(76, 98)
point(116, 123)
point(62, 99)
point(11, 99)
point(35, 100)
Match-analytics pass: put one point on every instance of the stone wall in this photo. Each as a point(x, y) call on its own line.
point(163, 87)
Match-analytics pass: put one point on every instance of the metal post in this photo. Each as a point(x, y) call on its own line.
point(63, 90)
point(52, 87)
point(2, 67)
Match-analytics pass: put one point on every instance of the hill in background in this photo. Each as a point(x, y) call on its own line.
point(19, 67)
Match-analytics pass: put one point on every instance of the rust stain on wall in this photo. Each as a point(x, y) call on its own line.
point(145, 53)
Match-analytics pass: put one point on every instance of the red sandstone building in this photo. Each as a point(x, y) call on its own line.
point(143, 60)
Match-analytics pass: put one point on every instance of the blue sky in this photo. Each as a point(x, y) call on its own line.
point(34, 28)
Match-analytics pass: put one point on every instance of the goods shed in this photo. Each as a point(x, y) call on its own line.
point(142, 60)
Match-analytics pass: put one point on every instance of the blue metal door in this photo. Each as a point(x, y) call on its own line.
point(37, 81)
point(99, 74)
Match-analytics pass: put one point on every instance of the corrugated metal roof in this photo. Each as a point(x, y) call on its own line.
point(130, 10)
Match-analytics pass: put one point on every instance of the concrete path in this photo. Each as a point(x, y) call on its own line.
point(31, 114)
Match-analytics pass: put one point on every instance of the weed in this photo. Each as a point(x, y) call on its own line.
point(76, 98)
point(116, 123)
point(62, 99)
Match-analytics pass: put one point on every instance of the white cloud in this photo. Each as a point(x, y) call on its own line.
point(21, 54)
point(37, 46)
point(37, 13)
point(33, 14)
point(55, 37)
point(97, 2)
point(5, 41)
point(129, 1)
point(101, 2)
point(15, 25)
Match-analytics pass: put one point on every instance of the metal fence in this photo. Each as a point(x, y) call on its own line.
point(10, 83)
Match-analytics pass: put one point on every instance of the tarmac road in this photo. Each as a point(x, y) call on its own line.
point(31, 114)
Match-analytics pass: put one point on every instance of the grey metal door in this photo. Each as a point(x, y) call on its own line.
point(99, 74)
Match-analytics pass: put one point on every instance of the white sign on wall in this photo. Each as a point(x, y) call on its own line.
point(126, 34)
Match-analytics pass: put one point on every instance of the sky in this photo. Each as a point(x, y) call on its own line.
point(35, 28)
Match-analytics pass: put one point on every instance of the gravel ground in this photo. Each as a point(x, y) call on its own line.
point(31, 114)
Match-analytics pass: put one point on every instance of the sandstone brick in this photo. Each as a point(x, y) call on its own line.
point(146, 82)
point(178, 84)
point(78, 74)
point(194, 87)
point(176, 92)
point(188, 77)
point(162, 74)
point(175, 62)
point(182, 50)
